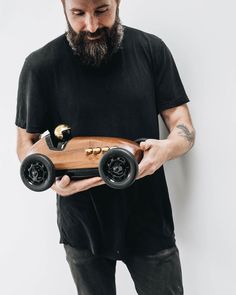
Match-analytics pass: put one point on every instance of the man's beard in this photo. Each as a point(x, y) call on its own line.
point(98, 51)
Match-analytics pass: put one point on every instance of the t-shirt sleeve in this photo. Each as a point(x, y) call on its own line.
point(170, 91)
point(31, 111)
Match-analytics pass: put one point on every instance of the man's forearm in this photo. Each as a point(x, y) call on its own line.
point(23, 149)
point(180, 140)
point(25, 141)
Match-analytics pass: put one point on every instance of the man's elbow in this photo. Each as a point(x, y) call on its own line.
point(25, 141)
point(21, 151)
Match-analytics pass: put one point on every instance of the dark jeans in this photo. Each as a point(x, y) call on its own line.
point(158, 274)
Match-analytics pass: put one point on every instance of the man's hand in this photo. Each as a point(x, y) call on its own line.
point(155, 154)
point(66, 187)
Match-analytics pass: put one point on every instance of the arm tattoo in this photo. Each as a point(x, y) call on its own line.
point(190, 136)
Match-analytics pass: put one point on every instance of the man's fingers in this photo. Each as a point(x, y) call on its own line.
point(65, 180)
point(143, 165)
point(90, 182)
point(66, 187)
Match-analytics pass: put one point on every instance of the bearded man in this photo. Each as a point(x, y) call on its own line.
point(103, 78)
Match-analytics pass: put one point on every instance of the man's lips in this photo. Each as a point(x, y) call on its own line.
point(93, 38)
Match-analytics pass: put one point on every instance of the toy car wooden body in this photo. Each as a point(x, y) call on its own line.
point(114, 159)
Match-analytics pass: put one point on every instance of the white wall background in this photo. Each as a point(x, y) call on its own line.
point(201, 36)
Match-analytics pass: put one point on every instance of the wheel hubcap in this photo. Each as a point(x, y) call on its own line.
point(36, 173)
point(117, 168)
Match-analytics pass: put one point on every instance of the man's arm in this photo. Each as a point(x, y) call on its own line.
point(182, 133)
point(180, 140)
point(24, 142)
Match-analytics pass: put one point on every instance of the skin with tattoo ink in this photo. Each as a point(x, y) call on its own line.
point(190, 136)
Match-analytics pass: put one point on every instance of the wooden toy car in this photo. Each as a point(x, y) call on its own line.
point(114, 159)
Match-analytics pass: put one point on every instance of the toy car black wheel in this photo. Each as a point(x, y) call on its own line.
point(118, 168)
point(37, 172)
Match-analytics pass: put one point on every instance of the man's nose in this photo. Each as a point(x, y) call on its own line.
point(91, 24)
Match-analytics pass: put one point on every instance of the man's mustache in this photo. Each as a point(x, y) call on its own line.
point(99, 32)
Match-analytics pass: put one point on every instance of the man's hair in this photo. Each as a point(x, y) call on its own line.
point(117, 1)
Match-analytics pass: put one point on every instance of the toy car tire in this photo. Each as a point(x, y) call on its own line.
point(37, 172)
point(118, 168)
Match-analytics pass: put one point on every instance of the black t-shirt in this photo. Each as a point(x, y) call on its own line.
point(120, 99)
